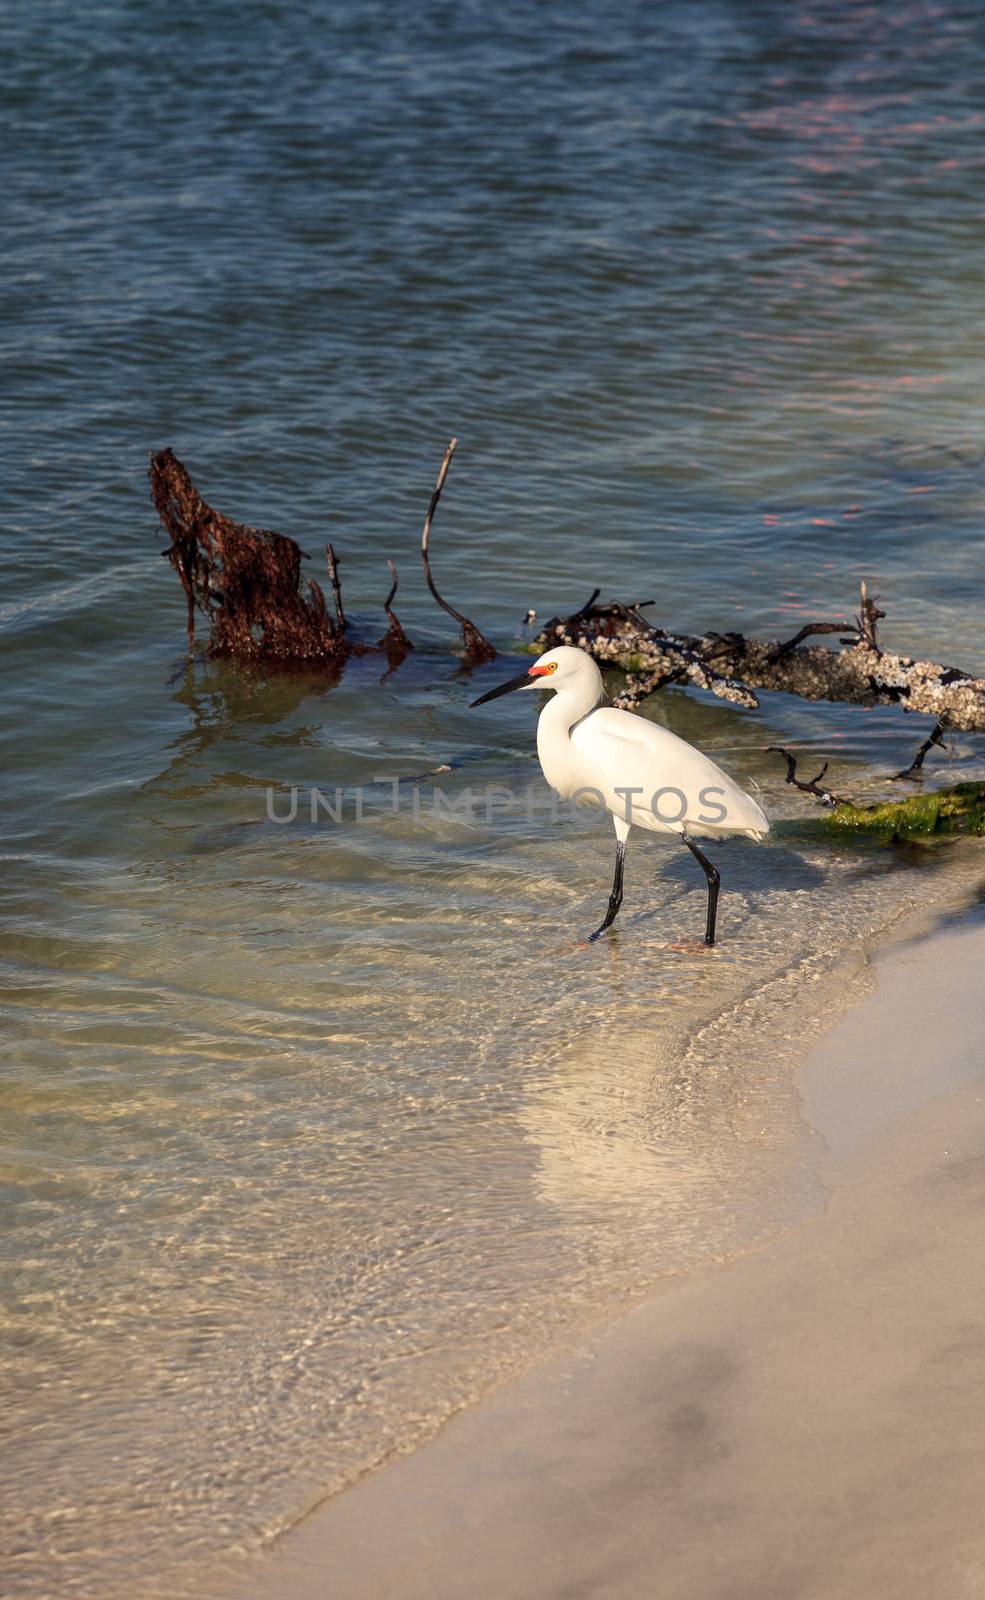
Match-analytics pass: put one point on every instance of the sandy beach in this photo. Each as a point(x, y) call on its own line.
point(807, 1421)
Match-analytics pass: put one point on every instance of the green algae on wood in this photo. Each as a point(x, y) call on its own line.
point(948, 811)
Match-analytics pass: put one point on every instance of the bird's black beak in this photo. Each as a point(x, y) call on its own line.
point(523, 680)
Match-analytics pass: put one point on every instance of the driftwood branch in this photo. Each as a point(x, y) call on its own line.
point(734, 667)
point(477, 647)
point(915, 769)
point(812, 786)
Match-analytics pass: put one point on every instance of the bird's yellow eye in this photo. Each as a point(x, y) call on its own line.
point(552, 666)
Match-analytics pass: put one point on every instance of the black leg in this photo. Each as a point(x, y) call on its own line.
point(714, 881)
point(615, 898)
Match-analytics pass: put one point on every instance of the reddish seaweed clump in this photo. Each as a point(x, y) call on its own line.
point(246, 581)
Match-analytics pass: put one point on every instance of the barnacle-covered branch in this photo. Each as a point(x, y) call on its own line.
point(734, 667)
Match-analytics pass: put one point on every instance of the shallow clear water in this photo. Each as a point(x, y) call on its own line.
point(312, 1130)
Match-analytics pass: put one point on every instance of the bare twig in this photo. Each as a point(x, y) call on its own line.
point(809, 628)
point(589, 603)
point(867, 619)
point(333, 574)
point(477, 647)
point(915, 769)
point(395, 642)
point(826, 796)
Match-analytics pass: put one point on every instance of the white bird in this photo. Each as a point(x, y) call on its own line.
point(641, 774)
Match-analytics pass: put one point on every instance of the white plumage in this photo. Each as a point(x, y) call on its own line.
point(644, 776)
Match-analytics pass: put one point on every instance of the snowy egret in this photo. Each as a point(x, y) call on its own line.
point(638, 772)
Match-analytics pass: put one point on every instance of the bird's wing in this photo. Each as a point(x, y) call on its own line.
point(620, 751)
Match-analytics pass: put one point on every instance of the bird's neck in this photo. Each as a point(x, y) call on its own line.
point(565, 708)
point(554, 743)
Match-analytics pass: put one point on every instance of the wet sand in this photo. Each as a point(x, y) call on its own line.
point(805, 1423)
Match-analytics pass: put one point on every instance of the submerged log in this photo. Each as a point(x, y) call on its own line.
point(734, 667)
point(246, 581)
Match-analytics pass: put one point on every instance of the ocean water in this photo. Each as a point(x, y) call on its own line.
point(313, 1129)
